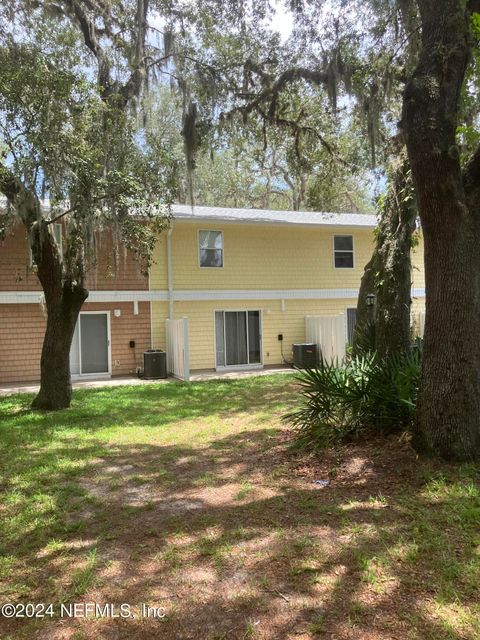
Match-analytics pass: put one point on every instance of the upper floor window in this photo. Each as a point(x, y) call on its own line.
point(57, 235)
point(343, 252)
point(210, 248)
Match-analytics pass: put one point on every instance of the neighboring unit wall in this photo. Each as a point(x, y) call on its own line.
point(22, 327)
point(15, 271)
point(115, 268)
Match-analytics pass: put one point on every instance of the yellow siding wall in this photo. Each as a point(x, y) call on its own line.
point(159, 315)
point(290, 322)
point(158, 270)
point(418, 270)
point(261, 257)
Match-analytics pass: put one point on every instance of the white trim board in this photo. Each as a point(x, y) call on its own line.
point(264, 294)
point(32, 297)
point(25, 297)
point(273, 294)
point(206, 219)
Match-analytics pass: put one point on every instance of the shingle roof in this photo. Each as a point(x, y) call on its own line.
point(258, 216)
point(267, 216)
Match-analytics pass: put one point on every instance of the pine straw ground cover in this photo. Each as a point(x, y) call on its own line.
point(188, 498)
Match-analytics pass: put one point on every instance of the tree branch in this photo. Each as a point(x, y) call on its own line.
point(133, 85)
point(87, 27)
point(287, 77)
point(25, 201)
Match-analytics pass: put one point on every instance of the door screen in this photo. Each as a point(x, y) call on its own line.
point(89, 351)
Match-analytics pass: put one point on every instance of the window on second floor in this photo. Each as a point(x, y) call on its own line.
point(210, 248)
point(57, 234)
point(343, 257)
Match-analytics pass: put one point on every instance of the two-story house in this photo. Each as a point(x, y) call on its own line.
point(242, 277)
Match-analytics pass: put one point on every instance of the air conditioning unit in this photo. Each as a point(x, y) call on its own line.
point(154, 364)
point(305, 355)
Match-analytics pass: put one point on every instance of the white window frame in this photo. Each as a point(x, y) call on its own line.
point(104, 374)
point(335, 251)
point(57, 226)
point(202, 266)
point(233, 367)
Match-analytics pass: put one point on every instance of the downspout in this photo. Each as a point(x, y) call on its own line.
point(169, 272)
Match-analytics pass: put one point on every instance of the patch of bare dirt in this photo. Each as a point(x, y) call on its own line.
point(249, 544)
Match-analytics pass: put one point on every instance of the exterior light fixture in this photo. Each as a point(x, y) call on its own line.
point(370, 299)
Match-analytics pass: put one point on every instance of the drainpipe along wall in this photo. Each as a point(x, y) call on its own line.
point(169, 272)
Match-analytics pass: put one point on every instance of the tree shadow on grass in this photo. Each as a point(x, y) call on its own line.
point(360, 559)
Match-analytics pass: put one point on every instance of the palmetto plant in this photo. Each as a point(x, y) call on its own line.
point(339, 400)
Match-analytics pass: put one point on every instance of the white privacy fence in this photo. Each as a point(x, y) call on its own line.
point(178, 364)
point(329, 333)
point(420, 324)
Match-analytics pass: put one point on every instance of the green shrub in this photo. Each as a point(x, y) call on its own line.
point(364, 338)
point(338, 401)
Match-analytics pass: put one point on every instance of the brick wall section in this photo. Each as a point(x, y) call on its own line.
point(22, 327)
point(115, 268)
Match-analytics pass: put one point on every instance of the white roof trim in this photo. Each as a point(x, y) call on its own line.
point(267, 216)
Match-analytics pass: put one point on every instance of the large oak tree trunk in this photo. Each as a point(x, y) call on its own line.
point(394, 264)
point(388, 275)
point(448, 411)
point(55, 386)
point(63, 301)
point(363, 335)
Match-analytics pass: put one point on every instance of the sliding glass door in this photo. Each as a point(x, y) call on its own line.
point(238, 338)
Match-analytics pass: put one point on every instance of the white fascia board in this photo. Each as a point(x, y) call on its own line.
point(264, 294)
point(269, 223)
point(23, 297)
point(127, 296)
point(34, 297)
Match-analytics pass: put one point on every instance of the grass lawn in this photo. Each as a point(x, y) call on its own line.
point(186, 497)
